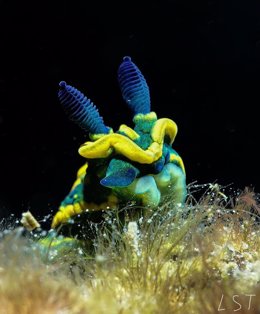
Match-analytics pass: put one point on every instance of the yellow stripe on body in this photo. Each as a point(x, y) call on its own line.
point(177, 158)
point(80, 175)
point(67, 212)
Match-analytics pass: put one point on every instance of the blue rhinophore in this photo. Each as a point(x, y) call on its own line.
point(133, 87)
point(81, 110)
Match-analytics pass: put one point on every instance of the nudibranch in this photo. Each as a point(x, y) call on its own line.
point(135, 165)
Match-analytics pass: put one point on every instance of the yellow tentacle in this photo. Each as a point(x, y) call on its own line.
point(129, 132)
point(164, 127)
point(120, 144)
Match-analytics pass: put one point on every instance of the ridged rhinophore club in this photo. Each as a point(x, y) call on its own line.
point(134, 88)
point(80, 109)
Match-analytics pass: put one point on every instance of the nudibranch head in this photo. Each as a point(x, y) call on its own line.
point(130, 164)
point(143, 144)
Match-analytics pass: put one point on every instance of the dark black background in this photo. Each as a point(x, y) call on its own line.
point(200, 59)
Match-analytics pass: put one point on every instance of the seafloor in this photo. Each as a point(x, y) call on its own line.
point(203, 257)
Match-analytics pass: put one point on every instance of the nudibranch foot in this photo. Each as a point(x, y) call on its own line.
point(147, 192)
point(171, 181)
